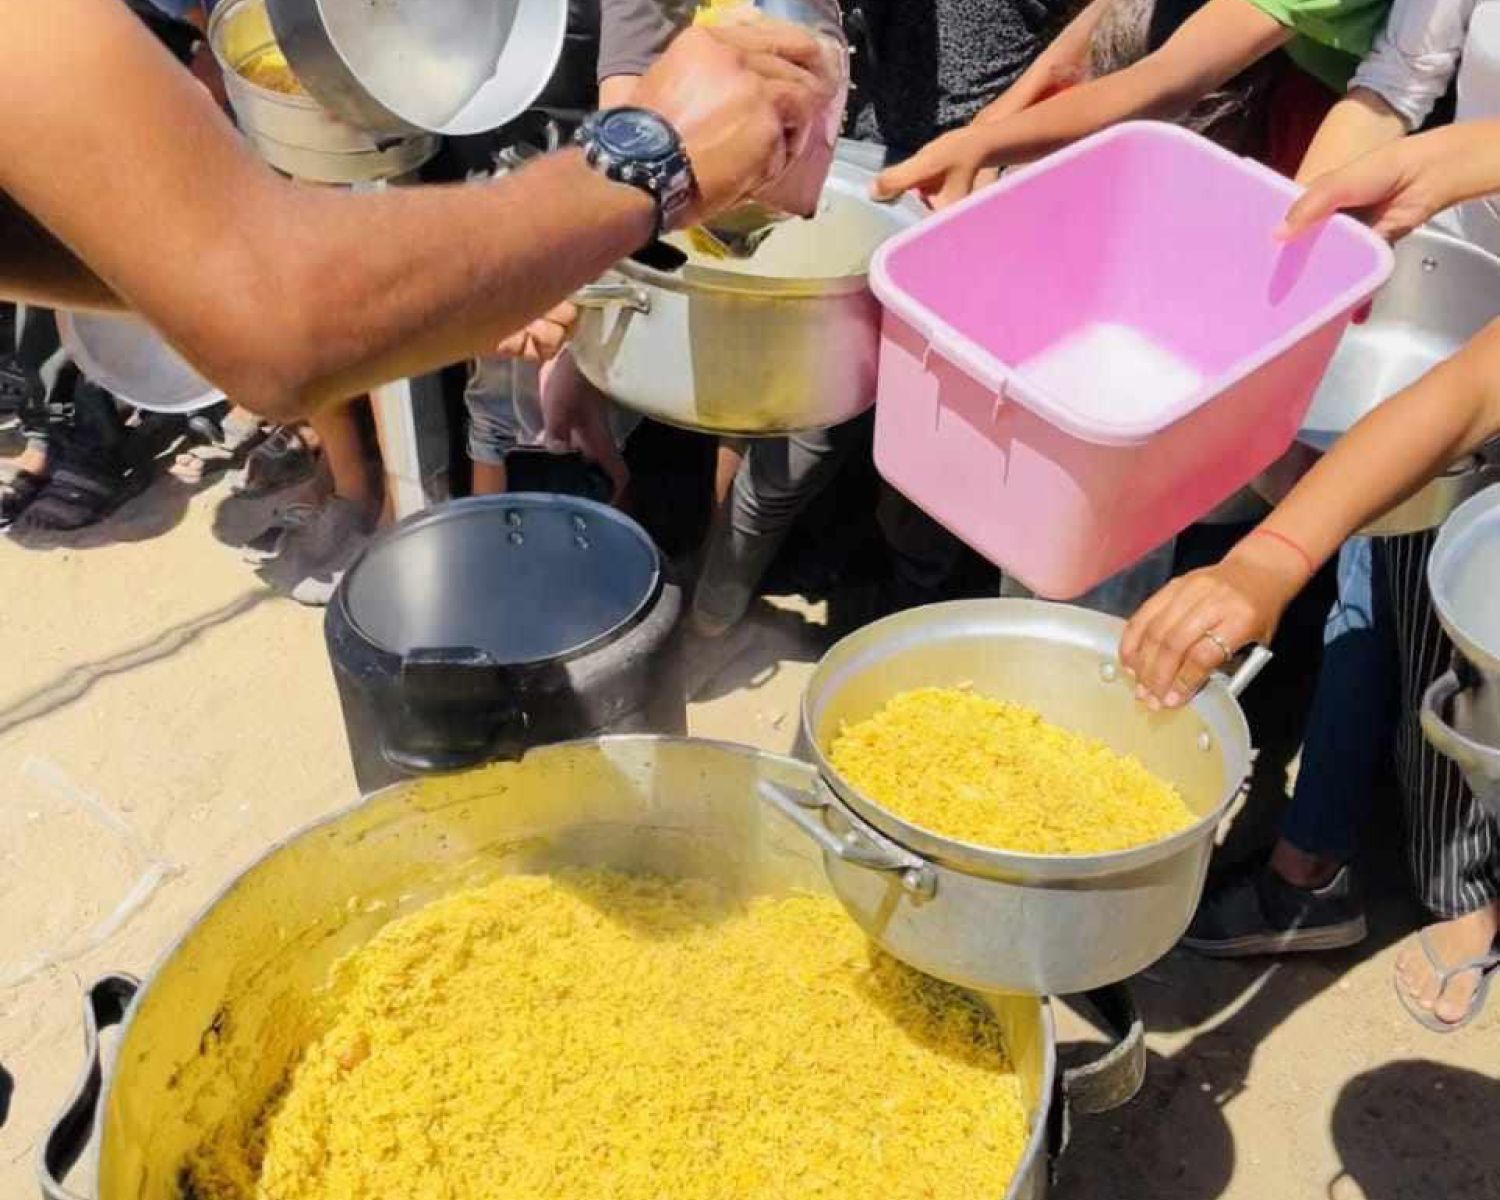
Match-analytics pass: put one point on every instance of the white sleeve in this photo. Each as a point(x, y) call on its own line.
point(1415, 56)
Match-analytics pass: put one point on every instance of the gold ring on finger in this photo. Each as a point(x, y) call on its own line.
point(1223, 646)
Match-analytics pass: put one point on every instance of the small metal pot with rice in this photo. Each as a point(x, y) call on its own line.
point(1443, 291)
point(782, 340)
point(213, 1035)
point(994, 919)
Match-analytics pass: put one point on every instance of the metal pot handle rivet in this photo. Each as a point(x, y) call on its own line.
point(860, 845)
point(105, 1006)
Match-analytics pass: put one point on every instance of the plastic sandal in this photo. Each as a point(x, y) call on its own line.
point(1488, 966)
point(18, 494)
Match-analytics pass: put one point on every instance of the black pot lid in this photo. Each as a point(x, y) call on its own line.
point(524, 578)
point(436, 66)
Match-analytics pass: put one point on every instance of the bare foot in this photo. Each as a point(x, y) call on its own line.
point(1452, 942)
point(31, 460)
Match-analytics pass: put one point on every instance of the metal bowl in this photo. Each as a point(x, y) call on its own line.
point(296, 134)
point(224, 1015)
point(994, 919)
point(129, 359)
point(1442, 292)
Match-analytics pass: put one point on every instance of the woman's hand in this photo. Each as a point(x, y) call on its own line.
point(943, 172)
point(1394, 189)
point(1196, 624)
point(544, 339)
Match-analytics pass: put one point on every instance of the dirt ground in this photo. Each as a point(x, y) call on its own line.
point(144, 668)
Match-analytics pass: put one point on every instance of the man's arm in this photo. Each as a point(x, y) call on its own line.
point(290, 296)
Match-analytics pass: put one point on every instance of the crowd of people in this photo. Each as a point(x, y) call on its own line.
point(1334, 93)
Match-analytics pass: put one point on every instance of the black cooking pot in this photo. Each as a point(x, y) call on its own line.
point(484, 627)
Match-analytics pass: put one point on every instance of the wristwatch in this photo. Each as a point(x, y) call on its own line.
point(637, 147)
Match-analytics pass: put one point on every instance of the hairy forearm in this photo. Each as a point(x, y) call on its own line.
point(391, 285)
point(1356, 125)
point(1397, 449)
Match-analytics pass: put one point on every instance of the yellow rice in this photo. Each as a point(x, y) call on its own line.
point(603, 1036)
point(995, 774)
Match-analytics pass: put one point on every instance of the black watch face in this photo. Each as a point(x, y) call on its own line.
point(635, 136)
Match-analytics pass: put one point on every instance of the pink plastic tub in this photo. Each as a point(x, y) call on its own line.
point(1082, 360)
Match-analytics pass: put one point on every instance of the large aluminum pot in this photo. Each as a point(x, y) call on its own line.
point(782, 341)
point(1461, 711)
point(1442, 292)
point(221, 1019)
point(397, 67)
point(991, 919)
point(295, 133)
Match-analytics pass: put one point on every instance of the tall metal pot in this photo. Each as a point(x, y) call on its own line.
point(221, 1019)
point(723, 347)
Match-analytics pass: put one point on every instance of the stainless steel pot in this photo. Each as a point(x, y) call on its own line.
point(1443, 291)
point(398, 67)
point(296, 134)
point(991, 919)
point(782, 341)
point(1461, 711)
point(221, 1019)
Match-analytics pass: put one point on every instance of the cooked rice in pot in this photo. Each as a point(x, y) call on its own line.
point(995, 774)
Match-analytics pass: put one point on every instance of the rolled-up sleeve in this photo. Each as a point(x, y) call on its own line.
point(1415, 57)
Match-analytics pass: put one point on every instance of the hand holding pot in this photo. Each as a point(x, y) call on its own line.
point(744, 99)
point(543, 339)
point(1197, 623)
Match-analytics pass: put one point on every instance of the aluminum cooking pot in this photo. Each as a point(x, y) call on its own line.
point(1443, 291)
point(1461, 711)
point(296, 134)
point(992, 919)
point(412, 66)
point(219, 1022)
point(783, 341)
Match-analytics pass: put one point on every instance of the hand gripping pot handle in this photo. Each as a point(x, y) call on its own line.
point(105, 1006)
point(861, 846)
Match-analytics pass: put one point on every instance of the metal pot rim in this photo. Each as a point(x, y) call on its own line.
point(1470, 513)
point(986, 861)
point(456, 509)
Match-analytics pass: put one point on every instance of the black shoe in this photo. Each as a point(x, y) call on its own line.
point(1264, 914)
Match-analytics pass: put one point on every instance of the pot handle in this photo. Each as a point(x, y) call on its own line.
point(1479, 763)
point(604, 294)
point(861, 846)
point(1108, 1081)
point(460, 690)
point(1245, 674)
point(105, 1006)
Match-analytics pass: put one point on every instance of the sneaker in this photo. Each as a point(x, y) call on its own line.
point(319, 545)
point(1262, 913)
point(279, 473)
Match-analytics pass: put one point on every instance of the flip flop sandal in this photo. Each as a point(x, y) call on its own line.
point(225, 447)
point(1488, 966)
point(74, 498)
point(17, 495)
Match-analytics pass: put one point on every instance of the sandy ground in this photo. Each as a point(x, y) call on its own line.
point(144, 667)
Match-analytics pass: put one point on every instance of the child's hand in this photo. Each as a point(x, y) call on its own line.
point(1196, 624)
point(544, 338)
point(943, 172)
point(575, 417)
point(1394, 189)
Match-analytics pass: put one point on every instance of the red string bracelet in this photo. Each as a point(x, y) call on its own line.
point(1290, 544)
